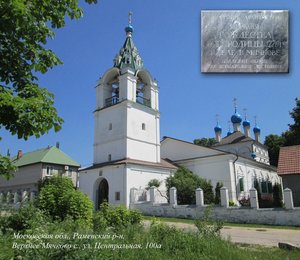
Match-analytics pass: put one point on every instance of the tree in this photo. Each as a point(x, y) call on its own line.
point(274, 142)
point(26, 108)
point(59, 199)
point(287, 138)
point(277, 195)
point(292, 136)
point(207, 142)
point(219, 185)
point(186, 184)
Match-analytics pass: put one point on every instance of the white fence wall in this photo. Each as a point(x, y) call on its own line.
point(254, 215)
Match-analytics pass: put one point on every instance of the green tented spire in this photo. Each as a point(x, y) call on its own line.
point(128, 56)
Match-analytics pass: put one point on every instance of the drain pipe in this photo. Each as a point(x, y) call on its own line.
point(234, 171)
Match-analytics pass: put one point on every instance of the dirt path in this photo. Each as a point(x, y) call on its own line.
point(259, 236)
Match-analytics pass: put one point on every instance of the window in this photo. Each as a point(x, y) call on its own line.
point(110, 126)
point(117, 195)
point(264, 188)
point(49, 170)
point(241, 183)
point(270, 187)
point(109, 157)
point(143, 126)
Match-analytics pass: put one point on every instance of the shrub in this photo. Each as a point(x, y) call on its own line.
point(186, 184)
point(117, 217)
point(277, 195)
point(231, 203)
point(26, 218)
point(59, 199)
point(153, 183)
point(208, 227)
point(245, 202)
point(219, 185)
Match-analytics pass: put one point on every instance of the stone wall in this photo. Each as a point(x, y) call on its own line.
point(289, 216)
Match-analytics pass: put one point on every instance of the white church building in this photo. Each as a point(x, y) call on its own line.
point(128, 152)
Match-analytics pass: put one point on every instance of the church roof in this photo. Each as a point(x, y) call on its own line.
point(235, 137)
point(128, 56)
point(289, 160)
point(46, 155)
point(163, 164)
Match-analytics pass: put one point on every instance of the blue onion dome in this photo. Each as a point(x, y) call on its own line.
point(218, 128)
point(256, 129)
point(129, 28)
point(236, 118)
point(246, 123)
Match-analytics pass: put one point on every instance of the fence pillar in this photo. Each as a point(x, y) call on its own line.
point(199, 197)
point(32, 195)
point(288, 198)
point(24, 196)
point(173, 196)
point(224, 197)
point(8, 197)
point(1, 197)
point(152, 194)
point(132, 195)
point(253, 198)
point(16, 197)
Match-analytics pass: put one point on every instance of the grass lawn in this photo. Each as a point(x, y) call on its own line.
point(191, 221)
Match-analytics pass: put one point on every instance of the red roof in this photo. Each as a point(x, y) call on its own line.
point(289, 160)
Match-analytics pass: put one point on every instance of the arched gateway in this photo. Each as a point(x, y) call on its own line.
point(102, 191)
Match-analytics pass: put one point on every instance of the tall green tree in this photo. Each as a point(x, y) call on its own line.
point(207, 142)
point(186, 183)
point(287, 138)
point(292, 136)
point(26, 108)
point(274, 142)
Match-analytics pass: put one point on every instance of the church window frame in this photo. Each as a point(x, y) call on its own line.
point(264, 187)
point(117, 196)
point(241, 184)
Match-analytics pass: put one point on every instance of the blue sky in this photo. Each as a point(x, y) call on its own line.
point(167, 35)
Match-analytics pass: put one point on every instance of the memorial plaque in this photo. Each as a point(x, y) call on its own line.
point(253, 41)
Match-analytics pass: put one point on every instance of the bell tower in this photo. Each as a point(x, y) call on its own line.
point(127, 119)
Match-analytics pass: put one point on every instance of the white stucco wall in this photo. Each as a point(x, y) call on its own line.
point(108, 141)
point(89, 181)
point(139, 176)
point(120, 178)
point(143, 144)
point(178, 150)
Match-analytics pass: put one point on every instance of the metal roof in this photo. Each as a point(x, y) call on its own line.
point(47, 155)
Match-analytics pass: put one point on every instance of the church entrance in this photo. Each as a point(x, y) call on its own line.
point(102, 192)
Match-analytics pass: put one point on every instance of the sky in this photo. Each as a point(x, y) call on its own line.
point(167, 35)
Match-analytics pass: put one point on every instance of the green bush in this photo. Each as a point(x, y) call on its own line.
point(59, 199)
point(26, 218)
point(208, 227)
point(117, 217)
point(186, 184)
point(153, 183)
point(219, 185)
point(277, 195)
